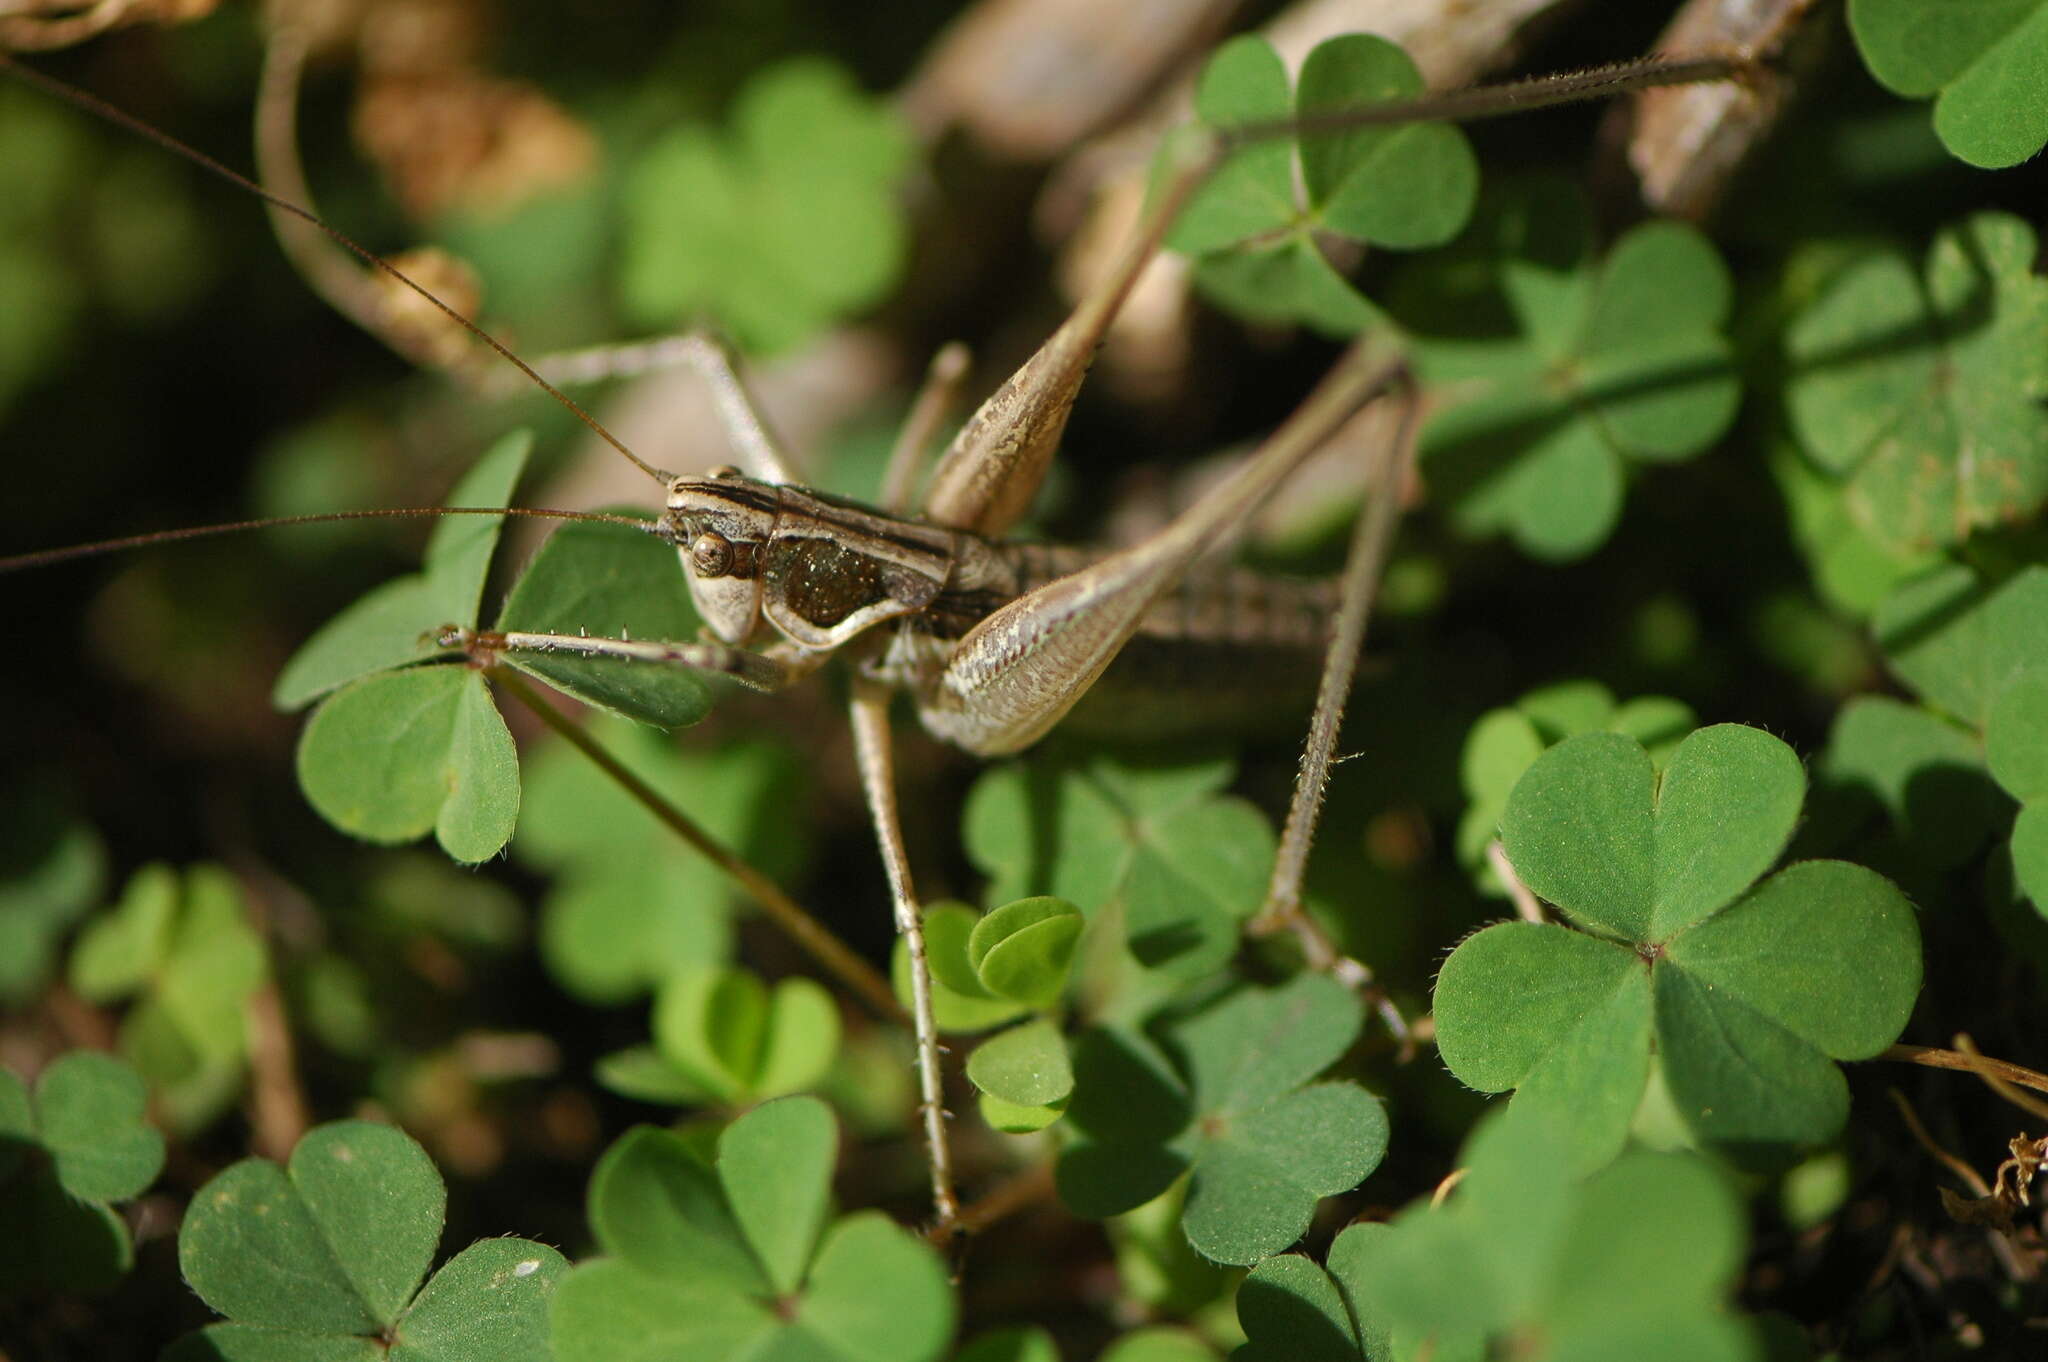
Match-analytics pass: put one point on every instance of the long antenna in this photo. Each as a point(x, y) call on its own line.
point(45, 557)
point(93, 104)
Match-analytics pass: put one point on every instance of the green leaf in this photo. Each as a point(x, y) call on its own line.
point(1988, 62)
point(1026, 1066)
point(51, 870)
point(1243, 81)
point(1023, 950)
point(1592, 829)
point(1745, 998)
point(396, 755)
point(489, 1303)
point(2016, 743)
point(1183, 864)
point(1506, 742)
point(2016, 735)
point(215, 962)
point(1403, 187)
point(609, 581)
point(184, 948)
point(609, 1311)
point(117, 953)
point(959, 1002)
point(727, 225)
point(775, 1164)
point(739, 1042)
point(1558, 372)
point(394, 625)
point(1012, 1119)
point(1642, 1256)
point(50, 1240)
point(721, 1265)
point(1406, 187)
point(876, 1294)
point(1924, 393)
point(1010, 1345)
point(633, 903)
point(1289, 1308)
point(1926, 773)
point(657, 1207)
point(1255, 1178)
point(1229, 1107)
point(1959, 642)
point(90, 1117)
point(336, 1243)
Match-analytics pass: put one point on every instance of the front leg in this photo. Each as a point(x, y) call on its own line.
point(771, 670)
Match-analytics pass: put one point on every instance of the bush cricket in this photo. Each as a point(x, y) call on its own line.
point(996, 641)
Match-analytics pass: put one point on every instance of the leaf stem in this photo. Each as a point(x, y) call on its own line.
point(1982, 1065)
point(1033, 1185)
point(800, 926)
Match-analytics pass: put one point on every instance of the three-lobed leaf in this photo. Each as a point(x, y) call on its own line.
point(631, 903)
point(1224, 1095)
point(325, 1257)
point(1180, 864)
point(1740, 996)
point(1403, 187)
point(1560, 371)
point(1922, 389)
point(1986, 63)
point(75, 1141)
point(730, 225)
point(737, 1259)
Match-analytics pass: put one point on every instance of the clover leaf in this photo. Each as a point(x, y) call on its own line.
point(1224, 1094)
point(1959, 640)
point(1521, 1260)
point(1925, 771)
point(1255, 241)
point(74, 1143)
point(1291, 1308)
point(2016, 745)
point(1741, 993)
point(1923, 390)
point(960, 1001)
point(631, 904)
point(1556, 371)
point(1987, 63)
point(52, 869)
point(182, 947)
point(398, 749)
point(1025, 1076)
point(721, 1035)
point(1180, 864)
point(1852, 569)
point(1502, 744)
point(324, 1258)
point(738, 1259)
point(728, 225)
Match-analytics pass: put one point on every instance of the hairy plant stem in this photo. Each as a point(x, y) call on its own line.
point(799, 925)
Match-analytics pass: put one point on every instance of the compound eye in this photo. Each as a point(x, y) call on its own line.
point(724, 470)
point(711, 555)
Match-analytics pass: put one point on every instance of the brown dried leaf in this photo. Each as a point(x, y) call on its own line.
point(415, 326)
point(1994, 1211)
point(463, 140)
